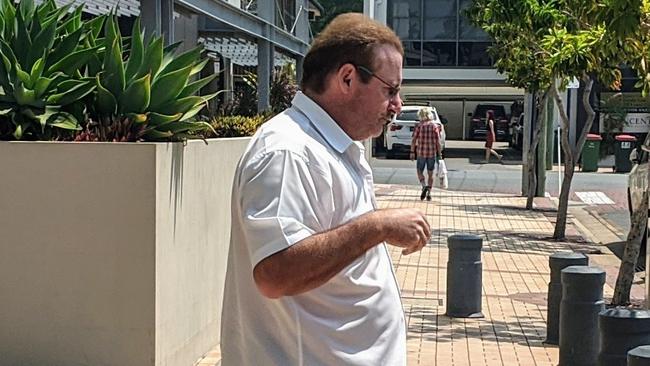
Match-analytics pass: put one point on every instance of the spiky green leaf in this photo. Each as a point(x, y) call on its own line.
point(152, 58)
point(156, 119)
point(26, 97)
point(72, 62)
point(154, 135)
point(193, 112)
point(43, 41)
point(194, 87)
point(182, 105)
point(72, 95)
point(37, 70)
point(41, 86)
point(183, 60)
point(113, 77)
point(64, 121)
point(135, 98)
point(66, 46)
point(106, 103)
point(136, 54)
point(22, 42)
point(168, 86)
point(198, 67)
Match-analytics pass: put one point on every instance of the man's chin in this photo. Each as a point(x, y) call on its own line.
point(377, 132)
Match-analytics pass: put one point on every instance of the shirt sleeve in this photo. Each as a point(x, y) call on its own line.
point(279, 203)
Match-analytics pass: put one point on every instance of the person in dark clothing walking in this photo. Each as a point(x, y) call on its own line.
point(490, 137)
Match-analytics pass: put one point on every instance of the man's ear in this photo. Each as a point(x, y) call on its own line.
point(345, 77)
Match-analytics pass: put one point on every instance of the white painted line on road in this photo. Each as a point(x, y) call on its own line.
point(594, 198)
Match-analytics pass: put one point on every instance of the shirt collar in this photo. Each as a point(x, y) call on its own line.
point(328, 128)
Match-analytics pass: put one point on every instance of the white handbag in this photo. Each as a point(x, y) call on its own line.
point(441, 173)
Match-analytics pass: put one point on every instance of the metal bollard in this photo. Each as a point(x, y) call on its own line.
point(582, 300)
point(557, 262)
point(464, 276)
point(639, 356)
point(620, 331)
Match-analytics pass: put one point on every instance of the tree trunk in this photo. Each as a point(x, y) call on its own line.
point(631, 254)
point(530, 154)
point(571, 155)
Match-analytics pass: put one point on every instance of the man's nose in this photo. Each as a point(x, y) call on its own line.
point(396, 104)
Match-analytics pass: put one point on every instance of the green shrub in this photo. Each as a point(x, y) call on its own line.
point(145, 92)
point(42, 59)
point(236, 126)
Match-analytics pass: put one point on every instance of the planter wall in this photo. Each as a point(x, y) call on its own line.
point(113, 254)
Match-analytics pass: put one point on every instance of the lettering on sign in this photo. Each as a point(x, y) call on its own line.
point(634, 123)
point(637, 123)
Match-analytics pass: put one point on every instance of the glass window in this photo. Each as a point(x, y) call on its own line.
point(439, 53)
point(408, 116)
point(466, 29)
point(474, 54)
point(404, 18)
point(440, 18)
point(412, 53)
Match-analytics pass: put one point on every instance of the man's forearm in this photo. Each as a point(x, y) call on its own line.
point(316, 259)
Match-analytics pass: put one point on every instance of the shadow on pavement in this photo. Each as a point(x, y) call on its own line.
point(619, 247)
point(430, 324)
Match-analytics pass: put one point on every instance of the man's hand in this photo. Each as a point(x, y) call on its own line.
point(412, 155)
point(406, 228)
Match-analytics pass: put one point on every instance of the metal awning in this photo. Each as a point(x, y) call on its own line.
point(221, 15)
point(98, 7)
point(459, 92)
point(239, 50)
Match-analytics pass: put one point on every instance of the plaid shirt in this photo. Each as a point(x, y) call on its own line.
point(426, 140)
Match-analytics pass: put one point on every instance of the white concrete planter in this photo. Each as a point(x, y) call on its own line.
point(111, 253)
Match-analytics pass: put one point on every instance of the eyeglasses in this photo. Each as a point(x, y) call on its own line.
point(393, 90)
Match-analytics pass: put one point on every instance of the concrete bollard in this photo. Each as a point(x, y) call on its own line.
point(582, 300)
point(464, 276)
point(639, 356)
point(557, 262)
point(620, 331)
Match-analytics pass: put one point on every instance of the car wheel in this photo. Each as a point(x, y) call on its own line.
point(390, 154)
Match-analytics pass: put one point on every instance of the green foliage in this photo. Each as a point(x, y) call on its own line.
point(334, 8)
point(42, 57)
point(236, 126)
point(282, 90)
point(146, 92)
point(538, 41)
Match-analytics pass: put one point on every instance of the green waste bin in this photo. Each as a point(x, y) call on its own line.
point(624, 146)
point(590, 153)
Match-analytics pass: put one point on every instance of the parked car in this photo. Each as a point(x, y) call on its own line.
point(516, 132)
point(478, 129)
point(637, 182)
point(399, 132)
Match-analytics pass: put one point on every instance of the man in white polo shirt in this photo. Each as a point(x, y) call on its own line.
point(309, 278)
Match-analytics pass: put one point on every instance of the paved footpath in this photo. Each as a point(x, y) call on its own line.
point(516, 247)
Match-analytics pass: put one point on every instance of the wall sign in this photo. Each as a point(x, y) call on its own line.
point(637, 123)
point(634, 123)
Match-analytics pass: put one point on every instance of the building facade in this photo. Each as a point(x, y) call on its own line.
point(446, 63)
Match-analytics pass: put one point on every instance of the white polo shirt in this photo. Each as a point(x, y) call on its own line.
point(300, 175)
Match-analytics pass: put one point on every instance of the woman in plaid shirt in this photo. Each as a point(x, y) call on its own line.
point(426, 146)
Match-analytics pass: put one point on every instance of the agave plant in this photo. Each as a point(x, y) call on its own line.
point(42, 53)
point(145, 92)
